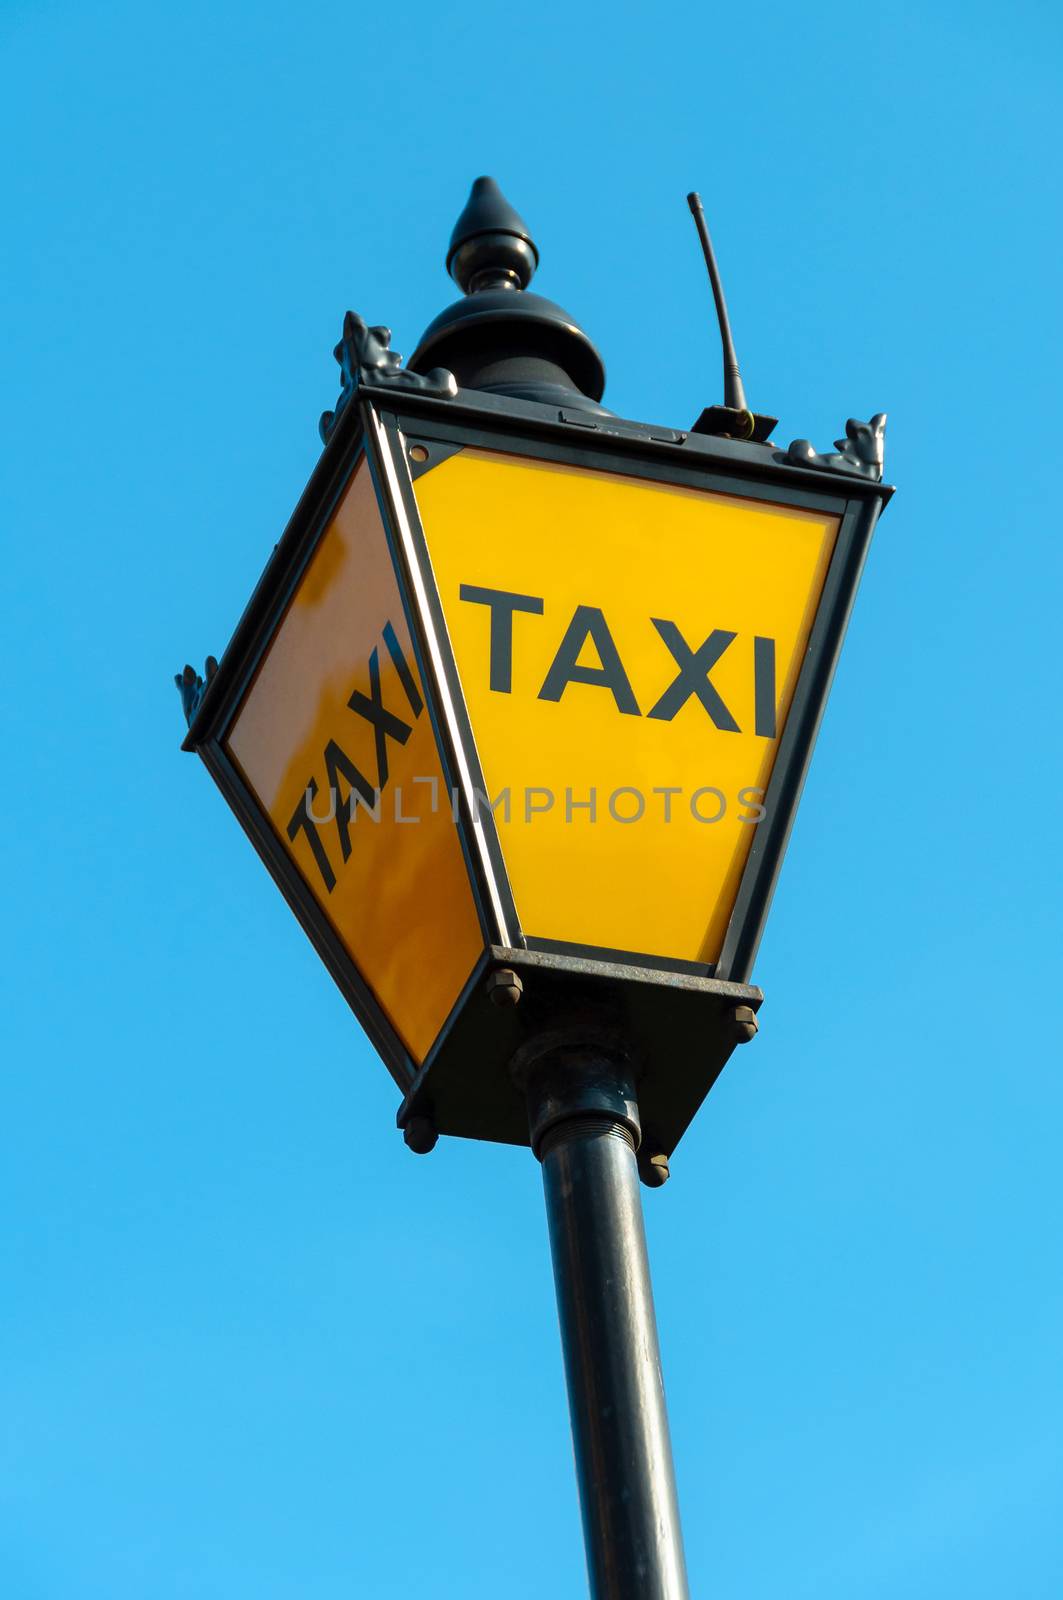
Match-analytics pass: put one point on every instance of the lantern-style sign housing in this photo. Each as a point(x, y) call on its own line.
point(520, 711)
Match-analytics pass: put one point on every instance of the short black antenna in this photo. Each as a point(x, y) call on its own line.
point(734, 395)
point(733, 419)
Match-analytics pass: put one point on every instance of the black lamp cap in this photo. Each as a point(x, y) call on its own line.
point(499, 339)
point(491, 247)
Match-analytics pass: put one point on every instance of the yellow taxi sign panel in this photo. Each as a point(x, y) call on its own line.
point(336, 743)
point(628, 652)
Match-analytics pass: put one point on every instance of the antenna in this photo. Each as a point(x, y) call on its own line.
point(734, 395)
point(733, 419)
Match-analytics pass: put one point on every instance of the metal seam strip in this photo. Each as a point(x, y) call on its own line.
point(442, 690)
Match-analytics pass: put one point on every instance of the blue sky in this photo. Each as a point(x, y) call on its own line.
point(249, 1346)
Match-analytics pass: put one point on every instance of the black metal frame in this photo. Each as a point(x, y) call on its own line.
point(677, 1012)
point(435, 658)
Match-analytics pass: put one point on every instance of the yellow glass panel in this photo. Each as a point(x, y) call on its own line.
point(631, 643)
point(386, 866)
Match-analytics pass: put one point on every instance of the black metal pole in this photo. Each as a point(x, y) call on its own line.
point(585, 1131)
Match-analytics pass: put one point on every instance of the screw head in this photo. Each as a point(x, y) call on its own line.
point(654, 1170)
point(744, 1023)
point(504, 988)
point(420, 1135)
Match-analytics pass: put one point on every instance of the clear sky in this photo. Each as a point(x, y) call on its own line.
point(250, 1347)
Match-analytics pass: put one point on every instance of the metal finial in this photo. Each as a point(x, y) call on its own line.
point(491, 247)
point(498, 338)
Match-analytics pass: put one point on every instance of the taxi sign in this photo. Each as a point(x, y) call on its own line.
point(628, 652)
point(535, 692)
point(330, 734)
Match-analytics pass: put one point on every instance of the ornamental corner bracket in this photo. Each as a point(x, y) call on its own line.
point(192, 688)
point(862, 451)
point(365, 357)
